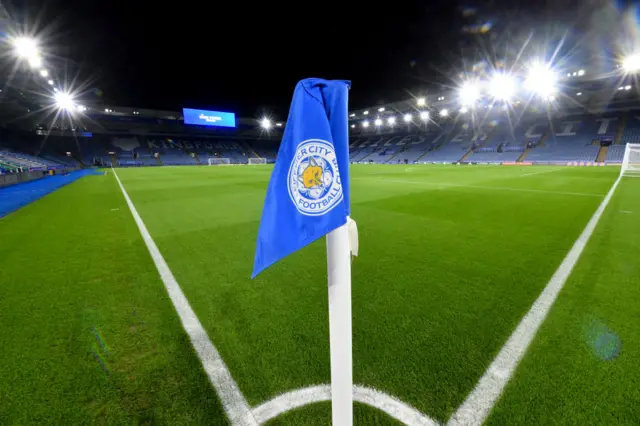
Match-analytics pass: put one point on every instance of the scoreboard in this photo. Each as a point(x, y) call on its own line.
point(203, 117)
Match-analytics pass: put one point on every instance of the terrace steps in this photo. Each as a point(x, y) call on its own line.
point(250, 150)
point(602, 154)
point(422, 155)
point(620, 130)
point(465, 156)
point(544, 138)
point(394, 156)
point(524, 155)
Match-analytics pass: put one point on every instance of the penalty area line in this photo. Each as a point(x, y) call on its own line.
point(233, 401)
point(539, 173)
point(496, 188)
point(475, 409)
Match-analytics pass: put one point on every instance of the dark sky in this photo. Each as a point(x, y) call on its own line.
point(246, 57)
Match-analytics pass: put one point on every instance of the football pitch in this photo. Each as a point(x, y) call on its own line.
point(451, 261)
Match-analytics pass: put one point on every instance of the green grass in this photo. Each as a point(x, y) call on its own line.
point(87, 332)
point(450, 260)
point(584, 364)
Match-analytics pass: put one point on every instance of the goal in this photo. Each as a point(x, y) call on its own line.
point(215, 161)
point(631, 160)
point(257, 161)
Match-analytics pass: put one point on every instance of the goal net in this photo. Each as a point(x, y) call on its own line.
point(631, 160)
point(215, 161)
point(257, 161)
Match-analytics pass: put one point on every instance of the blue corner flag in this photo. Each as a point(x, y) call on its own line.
point(308, 194)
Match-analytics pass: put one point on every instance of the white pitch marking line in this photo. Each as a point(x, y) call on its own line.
point(473, 411)
point(499, 188)
point(484, 396)
point(234, 403)
point(298, 398)
point(545, 171)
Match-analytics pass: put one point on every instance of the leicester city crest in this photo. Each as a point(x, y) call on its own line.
point(314, 180)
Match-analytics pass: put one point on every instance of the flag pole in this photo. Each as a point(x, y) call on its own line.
point(339, 274)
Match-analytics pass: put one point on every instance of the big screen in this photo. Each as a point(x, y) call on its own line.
point(202, 117)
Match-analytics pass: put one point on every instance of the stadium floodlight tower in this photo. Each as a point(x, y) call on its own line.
point(216, 161)
point(631, 160)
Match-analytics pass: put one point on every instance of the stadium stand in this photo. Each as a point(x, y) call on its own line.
point(412, 147)
point(575, 139)
point(615, 153)
point(532, 138)
point(263, 148)
point(632, 128)
point(453, 150)
point(171, 152)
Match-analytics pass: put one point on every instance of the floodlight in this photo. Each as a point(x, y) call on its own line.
point(365, 123)
point(424, 115)
point(35, 61)
point(502, 86)
point(50, 82)
point(25, 47)
point(391, 121)
point(265, 123)
point(63, 100)
point(541, 80)
point(407, 118)
point(631, 63)
point(464, 110)
point(44, 73)
point(421, 101)
point(380, 109)
point(469, 94)
point(444, 112)
point(378, 122)
point(366, 113)
point(353, 126)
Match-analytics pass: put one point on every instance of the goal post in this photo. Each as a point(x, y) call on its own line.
point(631, 160)
point(257, 161)
point(215, 161)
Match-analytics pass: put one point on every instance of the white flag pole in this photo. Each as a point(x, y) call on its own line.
point(339, 273)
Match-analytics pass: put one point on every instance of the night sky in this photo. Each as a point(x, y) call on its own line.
point(246, 57)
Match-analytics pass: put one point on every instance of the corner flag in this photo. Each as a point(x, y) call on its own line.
point(308, 195)
point(307, 198)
